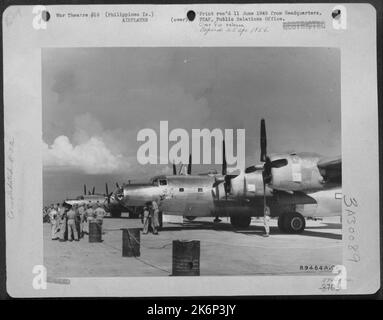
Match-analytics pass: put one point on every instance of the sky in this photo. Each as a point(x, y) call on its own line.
point(96, 100)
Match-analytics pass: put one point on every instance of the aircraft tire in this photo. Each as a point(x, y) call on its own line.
point(115, 214)
point(240, 222)
point(294, 222)
point(281, 221)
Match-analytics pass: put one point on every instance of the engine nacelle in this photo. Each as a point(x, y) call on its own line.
point(300, 173)
point(249, 185)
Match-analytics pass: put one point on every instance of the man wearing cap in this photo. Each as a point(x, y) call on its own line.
point(81, 213)
point(62, 222)
point(99, 213)
point(71, 216)
point(89, 217)
point(53, 217)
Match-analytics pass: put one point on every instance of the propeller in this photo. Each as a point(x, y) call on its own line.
point(174, 169)
point(117, 185)
point(266, 172)
point(268, 165)
point(107, 194)
point(93, 190)
point(224, 163)
point(263, 141)
point(226, 178)
point(227, 182)
point(189, 164)
point(84, 189)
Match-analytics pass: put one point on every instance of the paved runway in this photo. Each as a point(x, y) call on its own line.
point(224, 250)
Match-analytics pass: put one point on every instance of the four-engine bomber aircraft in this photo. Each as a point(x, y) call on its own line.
point(88, 198)
point(292, 185)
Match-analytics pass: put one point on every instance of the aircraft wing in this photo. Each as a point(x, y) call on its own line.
point(331, 170)
point(186, 206)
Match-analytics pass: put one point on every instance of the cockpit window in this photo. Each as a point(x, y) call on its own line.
point(155, 182)
point(163, 182)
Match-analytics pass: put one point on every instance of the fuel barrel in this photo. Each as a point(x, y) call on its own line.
point(131, 242)
point(186, 257)
point(95, 233)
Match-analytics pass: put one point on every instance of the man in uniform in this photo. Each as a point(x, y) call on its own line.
point(148, 219)
point(53, 218)
point(266, 220)
point(156, 212)
point(89, 217)
point(99, 213)
point(81, 213)
point(71, 216)
point(62, 222)
point(77, 219)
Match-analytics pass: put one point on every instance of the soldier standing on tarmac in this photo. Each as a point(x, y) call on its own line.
point(266, 221)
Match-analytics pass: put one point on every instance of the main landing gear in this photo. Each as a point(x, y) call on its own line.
point(115, 213)
point(240, 222)
point(291, 222)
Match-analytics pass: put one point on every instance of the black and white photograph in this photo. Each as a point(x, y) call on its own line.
point(173, 141)
point(191, 150)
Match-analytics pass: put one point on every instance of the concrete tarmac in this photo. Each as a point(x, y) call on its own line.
point(224, 250)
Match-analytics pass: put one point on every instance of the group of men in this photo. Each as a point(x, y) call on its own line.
point(72, 222)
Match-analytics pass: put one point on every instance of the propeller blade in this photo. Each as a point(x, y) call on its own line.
point(227, 185)
point(224, 164)
point(107, 193)
point(263, 141)
point(190, 164)
point(118, 187)
point(93, 190)
point(174, 169)
point(266, 173)
point(84, 189)
point(250, 169)
point(215, 186)
point(279, 163)
point(216, 183)
point(264, 197)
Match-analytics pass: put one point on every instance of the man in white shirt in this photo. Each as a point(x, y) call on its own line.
point(53, 215)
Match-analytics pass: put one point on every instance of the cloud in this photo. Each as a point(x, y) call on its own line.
point(92, 150)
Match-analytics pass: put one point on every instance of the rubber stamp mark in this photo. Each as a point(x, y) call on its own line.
point(298, 25)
